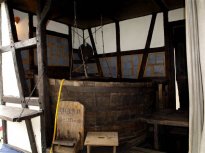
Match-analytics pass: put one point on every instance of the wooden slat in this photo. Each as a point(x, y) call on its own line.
point(95, 52)
point(15, 114)
point(33, 101)
point(24, 44)
point(68, 143)
point(171, 119)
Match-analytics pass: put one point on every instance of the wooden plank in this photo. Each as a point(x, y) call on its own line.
point(42, 14)
point(69, 143)
point(95, 52)
point(15, 114)
point(4, 124)
point(32, 101)
point(102, 139)
point(24, 44)
point(148, 42)
point(119, 68)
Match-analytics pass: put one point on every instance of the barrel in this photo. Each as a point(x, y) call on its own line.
point(109, 106)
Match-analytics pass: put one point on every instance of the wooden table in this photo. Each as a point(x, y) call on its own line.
point(168, 118)
point(102, 139)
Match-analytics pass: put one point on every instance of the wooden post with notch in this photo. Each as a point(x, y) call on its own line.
point(42, 18)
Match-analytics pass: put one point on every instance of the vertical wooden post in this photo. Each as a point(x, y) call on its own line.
point(95, 52)
point(119, 69)
point(169, 63)
point(42, 14)
point(70, 49)
point(31, 51)
point(4, 124)
point(147, 46)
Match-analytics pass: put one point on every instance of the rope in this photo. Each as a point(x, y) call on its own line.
point(26, 102)
point(56, 114)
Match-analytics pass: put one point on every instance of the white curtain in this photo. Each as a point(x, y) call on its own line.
point(195, 35)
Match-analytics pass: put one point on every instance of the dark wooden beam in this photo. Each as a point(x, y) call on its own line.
point(169, 64)
point(95, 53)
point(24, 44)
point(70, 49)
point(161, 5)
point(133, 52)
point(31, 50)
point(4, 124)
point(147, 46)
point(46, 128)
point(119, 69)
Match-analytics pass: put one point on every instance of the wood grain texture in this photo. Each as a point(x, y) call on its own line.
point(70, 122)
point(102, 139)
point(13, 114)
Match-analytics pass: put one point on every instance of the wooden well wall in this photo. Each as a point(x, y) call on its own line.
point(110, 106)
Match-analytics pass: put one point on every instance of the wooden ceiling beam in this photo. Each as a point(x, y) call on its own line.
point(162, 5)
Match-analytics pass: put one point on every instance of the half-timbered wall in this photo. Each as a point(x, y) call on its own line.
point(133, 37)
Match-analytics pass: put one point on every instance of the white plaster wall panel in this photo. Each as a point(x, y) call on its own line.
point(134, 33)
point(22, 27)
point(109, 38)
point(53, 26)
point(77, 37)
point(175, 15)
point(158, 33)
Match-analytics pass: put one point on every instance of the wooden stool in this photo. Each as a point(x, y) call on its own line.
point(101, 139)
